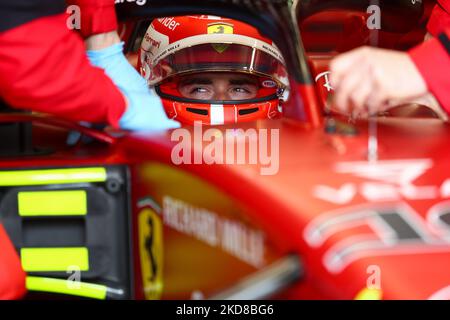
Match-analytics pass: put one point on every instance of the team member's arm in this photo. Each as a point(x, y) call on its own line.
point(51, 74)
point(370, 80)
point(99, 27)
point(432, 59)
point(378, 79)
point(98, 22)
point(43, 67)
point(439, 18)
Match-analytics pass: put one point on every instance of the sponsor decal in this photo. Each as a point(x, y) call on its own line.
point(326, 76)
point(169, 23)
point(232, 236)
point(391, 180)
point(151, 41)
point(151, 248)
point(272, 50)
point(390, 229)
point(173, 47)
point(222, 28)
point(268, 84)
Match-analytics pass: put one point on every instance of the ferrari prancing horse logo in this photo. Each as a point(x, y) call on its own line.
point(151, 252)
point(220, 28)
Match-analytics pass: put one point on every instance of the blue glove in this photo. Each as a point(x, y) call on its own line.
point(145, 110)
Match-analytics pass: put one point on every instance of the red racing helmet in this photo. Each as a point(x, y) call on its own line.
point(178, 47)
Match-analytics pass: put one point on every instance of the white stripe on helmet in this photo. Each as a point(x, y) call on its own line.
point(217, 114)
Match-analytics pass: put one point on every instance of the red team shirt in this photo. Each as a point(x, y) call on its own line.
point(43, 67)
point(432, 58)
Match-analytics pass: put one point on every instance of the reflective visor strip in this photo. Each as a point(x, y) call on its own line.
point(52, 203)
point(54, 259)
point(51, 176)
point(81, 289)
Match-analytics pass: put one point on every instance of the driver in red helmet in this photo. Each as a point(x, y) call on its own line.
point(213, 70)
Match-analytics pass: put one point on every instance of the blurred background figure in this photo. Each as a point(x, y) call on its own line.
point(370, 80)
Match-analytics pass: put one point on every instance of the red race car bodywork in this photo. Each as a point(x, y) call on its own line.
point(130, 216)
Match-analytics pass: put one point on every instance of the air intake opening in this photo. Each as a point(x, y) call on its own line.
point(198, 111)
point(243, 112)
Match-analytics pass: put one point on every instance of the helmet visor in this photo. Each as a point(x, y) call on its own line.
point(218, 57)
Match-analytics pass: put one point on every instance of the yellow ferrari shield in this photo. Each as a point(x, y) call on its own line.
point(151, 252)
point(220, 28)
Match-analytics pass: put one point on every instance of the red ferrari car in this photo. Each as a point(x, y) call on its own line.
point(333, 209)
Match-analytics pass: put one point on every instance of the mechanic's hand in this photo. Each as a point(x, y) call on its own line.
point(370, 80)
point(144, 109)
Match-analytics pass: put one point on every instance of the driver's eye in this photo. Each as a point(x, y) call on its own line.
point(242, 92)
point(199, 92)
